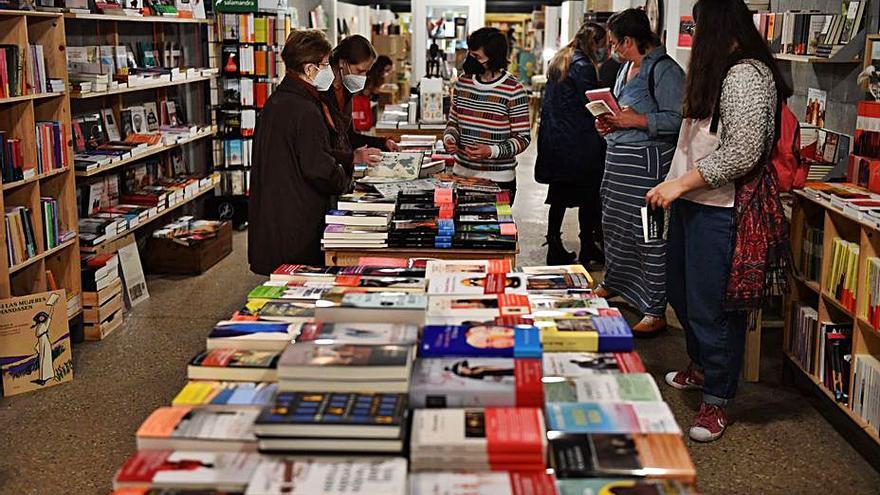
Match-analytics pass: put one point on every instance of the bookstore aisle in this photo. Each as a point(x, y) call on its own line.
point(76, 436)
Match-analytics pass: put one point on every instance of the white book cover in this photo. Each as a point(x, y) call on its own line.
point(344, 477)
point(602, 388)
point(463, 382)
point(361, 333)
point(188, 470)
point(477, 283)
point(138, 120)
point(575, 364)
point(495, 483)
point(110, 125)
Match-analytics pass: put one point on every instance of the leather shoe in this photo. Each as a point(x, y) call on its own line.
point(650, 325)
point(602, 292)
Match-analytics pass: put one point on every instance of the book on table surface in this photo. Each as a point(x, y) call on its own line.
point(217, 395)
point(576, 300)
point(573, 277)
point(480, 339)
point(368, 283)
point(480, 382)
point(337, 415)
point(310, 446)
point(365, 202)
point(615, 387)
point(187, 470)
point(575, 364)
point(358, 218)
point(291, 272)
point(285, 311)
point(491, 483)
point(435, 267)
point(497, 437)
point(347, 232)
point(622, 485)
point(585, 333)
point(625, 455)
point(282, 291)
point(183, 427)
point(234, 365)
point(361, 475)
point(479, 306)
point(346, 362)
point(372, 307)
point(477, 283)
point(252, 335)
point(611, 417)
point(360, 333)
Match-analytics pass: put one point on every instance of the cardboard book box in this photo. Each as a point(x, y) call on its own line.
point(167, 256)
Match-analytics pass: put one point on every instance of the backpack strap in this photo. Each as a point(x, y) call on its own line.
point(652, 78)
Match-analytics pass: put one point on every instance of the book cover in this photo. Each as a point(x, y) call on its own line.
point(236, 358)
point(275, 476)
point(611, 417)
point(252, 335)
point(655, 224)
point(477, 283)
point(621, 485)
point(198, 428)
point(615, 387)
point(322, 415)
point(222, 395)
point(187, 470)
point(480, 339)
point(629, 455)
point(436, 267)
point(379, 300)
point(575, 364)
point(480, 307)
point(290, 311)
point(352, 356)
point(492, 483)
point(34, 342)
point(481, 382)
point(360, 333)
point(396, 166)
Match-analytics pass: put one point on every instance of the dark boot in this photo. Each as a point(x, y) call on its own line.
point(590, 254)
point(556, 253)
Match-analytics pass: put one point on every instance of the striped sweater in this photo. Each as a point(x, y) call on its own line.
point(496, 114)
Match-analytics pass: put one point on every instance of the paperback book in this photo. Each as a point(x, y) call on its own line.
point(354, 476)
point(480, 339)
point(187, 470)
point(215, 395)
point(476, 382)
point(617, 387)
point(252, 335)
point(182, 427)
point(575, 364)
point(234, 365)
point(611, 417)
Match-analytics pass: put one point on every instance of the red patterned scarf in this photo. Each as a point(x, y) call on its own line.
point(762, 252)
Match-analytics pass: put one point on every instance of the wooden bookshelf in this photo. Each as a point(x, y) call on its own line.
point(817, 213)
point(139, 87)
point(18, 116)
point(125, 18)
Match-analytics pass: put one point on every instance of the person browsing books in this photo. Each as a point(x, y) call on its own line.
point(571, 154)
point(489, 117)
point(727, 230)
point(363, 117)
point(641, 141)
point(295, 172)
point(350, 61)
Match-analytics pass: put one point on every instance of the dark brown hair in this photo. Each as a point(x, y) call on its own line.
point(723, 27)
point(635, 24)
point(494, 45)
point(376, 74)
point(586, 39)
point(354, 50)
point(304, 46)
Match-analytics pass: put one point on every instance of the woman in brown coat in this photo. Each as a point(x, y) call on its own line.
point(295, 170)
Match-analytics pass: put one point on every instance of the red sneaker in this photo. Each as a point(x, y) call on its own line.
point(689, 379)
point(710, 424)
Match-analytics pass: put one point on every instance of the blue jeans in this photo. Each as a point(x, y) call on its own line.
point(700, 250)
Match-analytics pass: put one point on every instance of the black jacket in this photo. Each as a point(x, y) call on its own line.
point(293, 179)
point(569, 147)
point(348, 139)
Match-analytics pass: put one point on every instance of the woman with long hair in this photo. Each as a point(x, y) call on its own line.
point(362, 104)
point(641, 141)
point(571, 154)
point(727, 233)
point(295, 172)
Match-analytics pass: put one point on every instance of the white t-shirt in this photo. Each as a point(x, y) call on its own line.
point(695, 142)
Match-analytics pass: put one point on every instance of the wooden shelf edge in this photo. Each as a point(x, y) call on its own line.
point(125, 18)
point(37, 257)
point(142, 87)
point(36, 178)
point(810, 59)
point(29, 13)
point(164, 212)
point(810, 284)
point(146, 154)
point(33, 96)
point(834, 302)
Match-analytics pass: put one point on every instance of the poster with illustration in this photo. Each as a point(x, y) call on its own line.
point(34, 342)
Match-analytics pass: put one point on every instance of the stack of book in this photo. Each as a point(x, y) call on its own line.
point(332, 361)
point(354, 231)
point(811, 32)
point(21, 240)
point(866, 388)
point(842, 273)
point(803, 338)
point(871, 307)
point(51, 139)
point(12, 161)
point(811, 253)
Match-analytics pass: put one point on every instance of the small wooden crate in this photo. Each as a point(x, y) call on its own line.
point(103, 311)
point(92, 299)
point(167, 256)
point(97, 331)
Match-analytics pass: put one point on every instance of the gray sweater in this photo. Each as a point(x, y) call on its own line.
point(748, 120)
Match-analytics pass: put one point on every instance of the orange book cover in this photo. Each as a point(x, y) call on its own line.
point(261, 62)
point(162, 422)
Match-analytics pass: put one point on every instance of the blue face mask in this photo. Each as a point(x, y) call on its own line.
point(601, 54)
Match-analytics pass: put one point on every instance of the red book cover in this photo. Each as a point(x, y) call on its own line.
point(4, 76)
point(532, 483)
point(219, 357)
point(513, 304)
point(629, 362)
point(685, 31)
point(65, 147)
point(382, 262)
point(261, 94)
point(514, 429)
point(529, 388)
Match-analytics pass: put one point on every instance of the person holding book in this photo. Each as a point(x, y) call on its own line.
point(571, 154)
point(295, 172)
point(727, 232)
point(641, 140)
point(350, 61)
point(489, 117)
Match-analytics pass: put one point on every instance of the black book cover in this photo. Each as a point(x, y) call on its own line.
point(585, 456)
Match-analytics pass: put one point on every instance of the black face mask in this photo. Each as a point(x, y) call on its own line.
point(472, 66)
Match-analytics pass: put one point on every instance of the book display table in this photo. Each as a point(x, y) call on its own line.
point(348, 257)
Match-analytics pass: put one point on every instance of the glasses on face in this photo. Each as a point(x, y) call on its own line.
point(690, 28)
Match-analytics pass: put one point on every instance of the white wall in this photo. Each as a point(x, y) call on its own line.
point(674, 10)
point(572, 13)
point(551, 29)
point(476, 20)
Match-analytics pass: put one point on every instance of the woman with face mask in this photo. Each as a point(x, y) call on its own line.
point(571, 154)
point(349, 63)
point(641, 142)
point(295, 173)
point(489, 117)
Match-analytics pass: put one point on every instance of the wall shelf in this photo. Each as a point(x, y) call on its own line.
point(30, 97)
point(125, 18)
point(39, 256)
point(52, 173)
point(140, 87)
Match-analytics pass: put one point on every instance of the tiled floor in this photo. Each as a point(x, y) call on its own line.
point(70, 439)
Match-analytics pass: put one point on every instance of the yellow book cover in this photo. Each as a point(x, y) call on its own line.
point(34, 342)
point(196, 394)
point(260, 30)
point(568, 335)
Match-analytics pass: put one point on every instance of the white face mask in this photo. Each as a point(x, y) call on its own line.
point(324, 78)
point(354, 83)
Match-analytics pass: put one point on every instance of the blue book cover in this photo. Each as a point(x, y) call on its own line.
point(335, 408)
point(240, 328)
point(615, 335)
point(590, 417)
point(481, 339)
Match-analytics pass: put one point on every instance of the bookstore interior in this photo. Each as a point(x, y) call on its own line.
point(315, 247)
